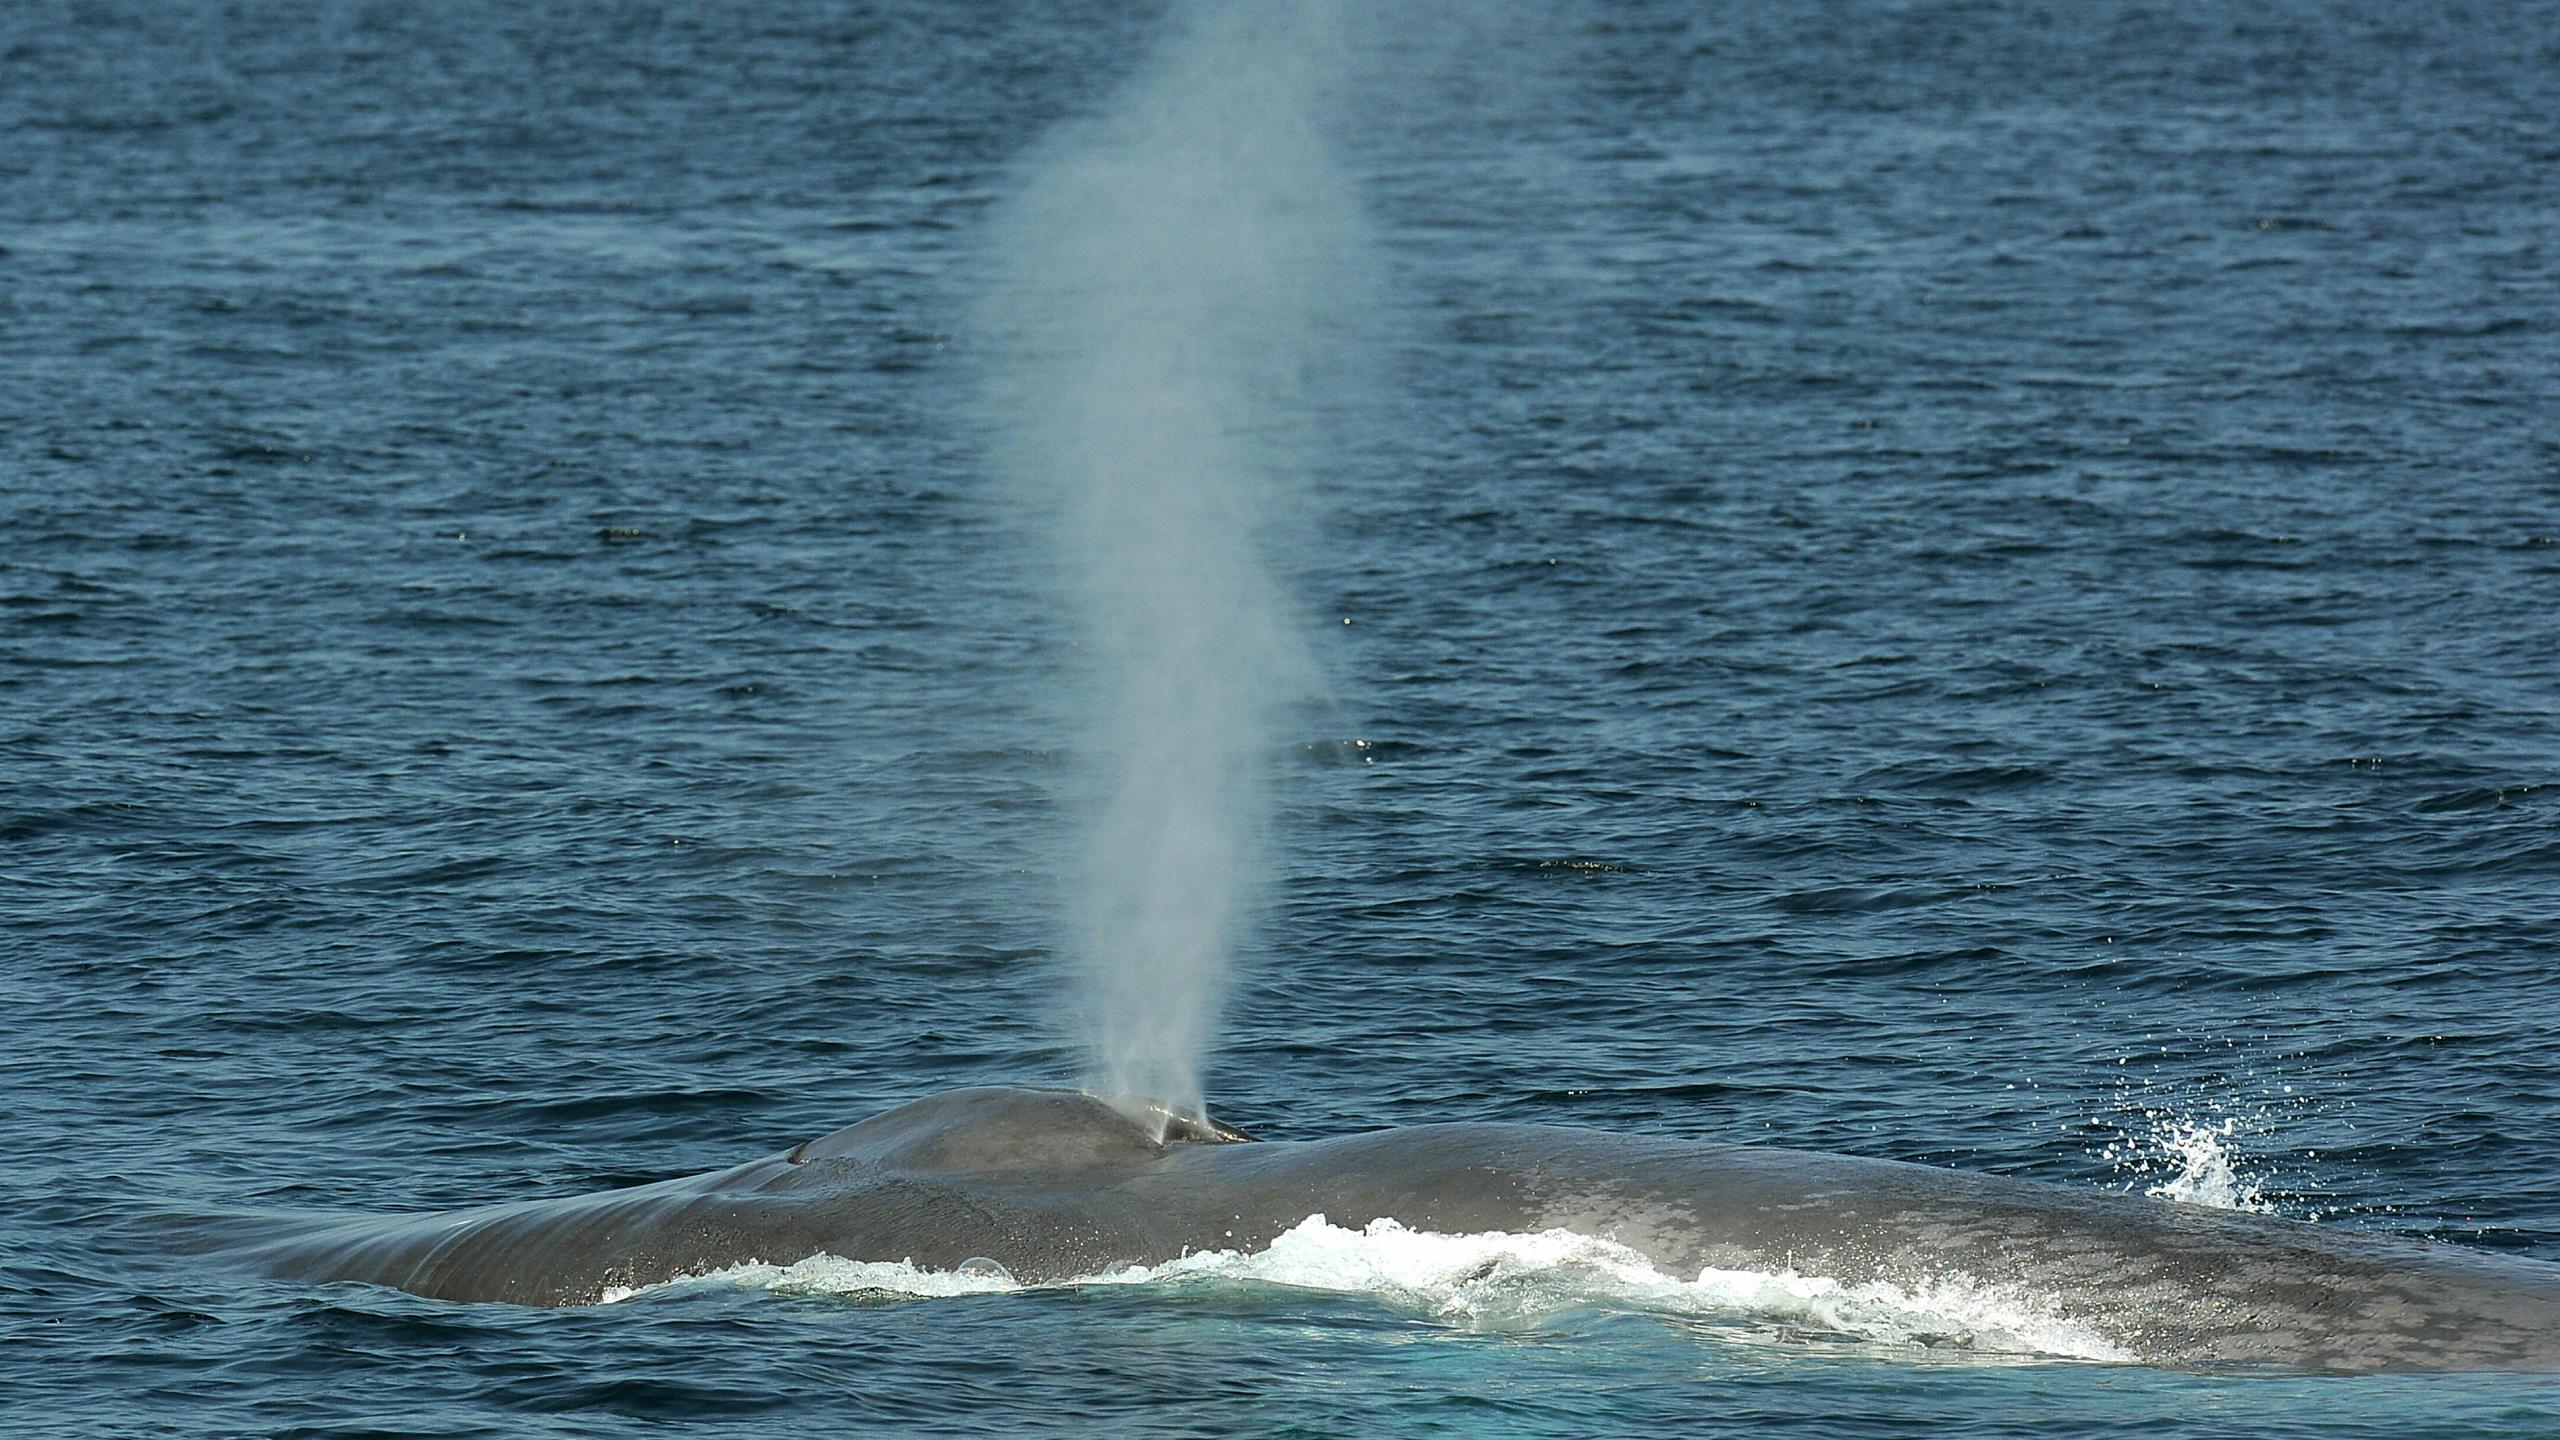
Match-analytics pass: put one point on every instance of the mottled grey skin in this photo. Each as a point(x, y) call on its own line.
point(1054, 1184)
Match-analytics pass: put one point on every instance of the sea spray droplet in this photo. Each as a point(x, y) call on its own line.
point(2204, 1173)
point(2187, 1160)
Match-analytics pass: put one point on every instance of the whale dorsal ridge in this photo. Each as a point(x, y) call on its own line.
point(1002, 1129)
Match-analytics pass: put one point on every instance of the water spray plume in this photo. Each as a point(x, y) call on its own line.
point(1173, 286)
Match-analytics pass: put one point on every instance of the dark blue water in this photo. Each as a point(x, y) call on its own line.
point(1959, 582)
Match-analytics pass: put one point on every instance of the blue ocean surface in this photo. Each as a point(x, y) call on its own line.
point(1964, 581)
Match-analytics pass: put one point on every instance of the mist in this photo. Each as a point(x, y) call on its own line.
point(1177, 288)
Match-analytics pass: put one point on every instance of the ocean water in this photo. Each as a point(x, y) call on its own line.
point(1961, 582)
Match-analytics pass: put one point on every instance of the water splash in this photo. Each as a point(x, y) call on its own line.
point(1175, 291)
point(2189, 1161)
point(2214, 1128)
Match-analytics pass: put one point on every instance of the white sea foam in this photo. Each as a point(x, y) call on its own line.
point(831, 1275)
point(1506, 1281)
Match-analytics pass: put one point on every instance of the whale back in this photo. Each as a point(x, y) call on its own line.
point(1055, 1184)
point(998, 1129)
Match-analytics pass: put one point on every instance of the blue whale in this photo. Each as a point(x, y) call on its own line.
point(1056, 1184)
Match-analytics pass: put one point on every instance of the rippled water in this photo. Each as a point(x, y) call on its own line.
point(1959, 582)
